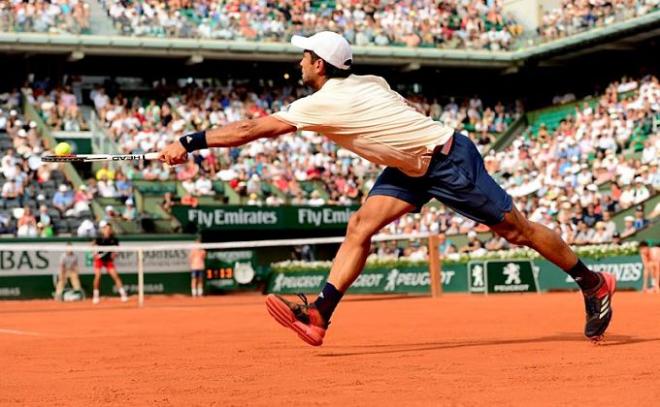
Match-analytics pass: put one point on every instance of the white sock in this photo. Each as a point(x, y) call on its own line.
point(122, 291)
point(96, 293)
point(200, 291)
point(193, 291)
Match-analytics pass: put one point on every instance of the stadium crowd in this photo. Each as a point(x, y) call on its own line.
point(454, 24)
point(573, 16)
point(573, 179)
point(285, 163)
point(36, 199)
point(58, 107)
point(45, 16)
point(474, 24)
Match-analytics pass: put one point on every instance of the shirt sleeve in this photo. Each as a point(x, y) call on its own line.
point(308, 113)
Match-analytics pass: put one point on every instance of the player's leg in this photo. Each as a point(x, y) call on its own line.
point(115, 277)
point(193, 283)
point(377, 212)
point(75, 279)
point(655, 275)
point(200, 283)
point(311, 320)
point(518, 230)
point(59, 287)
point(461, 182)
point(96, 294)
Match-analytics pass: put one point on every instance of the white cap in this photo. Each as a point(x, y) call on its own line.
point(472, 233)
point(629, 218)
point(330, 46)
point(102, 223)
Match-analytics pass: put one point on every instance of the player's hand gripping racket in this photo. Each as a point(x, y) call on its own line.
point(88, 158)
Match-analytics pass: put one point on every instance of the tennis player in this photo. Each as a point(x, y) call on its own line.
point(105, 259)
point(424, 160)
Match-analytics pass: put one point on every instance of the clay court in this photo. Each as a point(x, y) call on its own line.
point(224, 351)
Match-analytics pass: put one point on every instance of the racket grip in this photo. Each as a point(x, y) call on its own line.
point(151, 156)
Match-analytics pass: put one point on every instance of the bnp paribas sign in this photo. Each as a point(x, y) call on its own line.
point(263, 217)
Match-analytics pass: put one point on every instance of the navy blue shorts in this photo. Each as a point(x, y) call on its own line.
point(196, 273)
point(459, 180)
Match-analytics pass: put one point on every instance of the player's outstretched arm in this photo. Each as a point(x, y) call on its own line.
point(231, 135)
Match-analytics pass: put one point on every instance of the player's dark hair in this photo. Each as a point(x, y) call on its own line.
point(332, 71)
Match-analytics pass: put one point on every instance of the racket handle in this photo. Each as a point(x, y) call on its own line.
point(151, 156)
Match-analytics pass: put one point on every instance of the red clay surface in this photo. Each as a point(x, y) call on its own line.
point(227, 351)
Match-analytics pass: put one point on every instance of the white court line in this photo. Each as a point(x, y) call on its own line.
point(17, 332)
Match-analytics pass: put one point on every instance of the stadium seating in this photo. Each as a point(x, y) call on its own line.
point(63, 16)
point(331, 175)
point(573, 16)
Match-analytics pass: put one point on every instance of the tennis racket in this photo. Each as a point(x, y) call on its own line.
point(88, 158)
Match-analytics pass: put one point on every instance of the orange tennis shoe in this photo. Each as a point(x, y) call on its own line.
point(304, 319)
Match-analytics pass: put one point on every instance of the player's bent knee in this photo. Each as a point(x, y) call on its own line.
point(515, 236)
point(359, 228)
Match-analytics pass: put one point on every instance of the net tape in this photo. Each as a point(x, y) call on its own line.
point(134, 246)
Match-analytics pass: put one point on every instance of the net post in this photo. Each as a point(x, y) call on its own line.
point(140, 277)
point(435, 268)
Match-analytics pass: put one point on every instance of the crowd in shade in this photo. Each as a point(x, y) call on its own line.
point(573, 16)
point(599, 161)
point(473, 24)
point(45, 16)
point(286, 164)
point(35, 200)
point(58, 106)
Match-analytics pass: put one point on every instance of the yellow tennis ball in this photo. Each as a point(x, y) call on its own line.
point(63, 149)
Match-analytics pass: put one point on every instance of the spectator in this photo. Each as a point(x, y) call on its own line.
point(584, 234)
point(640, 222)
point(81, 201)
point(123, 185)
point(63, 200)
point(105, 173)
point(253, 200)
point(204, 186)
point(168, 202)
point(111, 213)
point(27, 224)
point(316, 199)
point(473, 243)
point(497, 243)
point(43, 216)
point(130, 212)
point(601, 235)
point(444, 244)
point(610, 226)
point(629, 227)
point(640, 192)
point(44, 230)
point(86, 229)
point(106, 187)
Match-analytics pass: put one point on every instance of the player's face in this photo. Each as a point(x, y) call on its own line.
point(309, 68)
